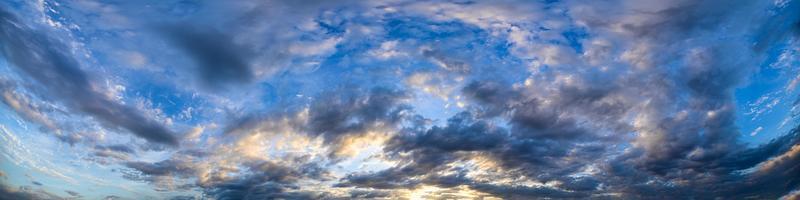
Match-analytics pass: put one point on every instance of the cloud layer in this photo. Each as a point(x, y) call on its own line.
point(402, 99)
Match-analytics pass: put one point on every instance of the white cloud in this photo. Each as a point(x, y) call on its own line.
point(756, 131)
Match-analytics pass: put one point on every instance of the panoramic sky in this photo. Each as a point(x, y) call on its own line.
point(396, 99)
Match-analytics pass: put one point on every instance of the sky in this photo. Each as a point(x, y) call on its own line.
point(397, 99)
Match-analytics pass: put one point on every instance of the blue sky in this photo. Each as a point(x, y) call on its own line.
point(399, 99)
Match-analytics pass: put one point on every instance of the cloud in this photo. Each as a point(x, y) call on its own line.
point(9, 193)
point(462, 133)
point(347, 113)
point(49, 62)
point(756, 131)
point(219, 59)
point(562, 120)
point(558, 100)
point(73, 193)
point(120, 152)
point(23, 105)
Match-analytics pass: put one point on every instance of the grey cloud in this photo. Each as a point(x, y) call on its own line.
point(181, 165)
point(462, 133)
point(369, 194)
point(182, 198)
point(494, 98)
point(678, 147)
point(449, 64)
point(524, 192)
point(9, 193)
point(778, 162)
point(339, 113)
point(178, 166)
point(541, 136)
point(71, 138)
point(723, 178)
point(430, 150)
point(219, 59)
point(256, 180)
point(750, 157)
point(73, 193)
point(527, 117)
point(24, 106)
point(558, 128)
point(267, 190)
point(121, 152)
point(266, 180)
point(535, 121)
point(112, 197)
point(49, 62)
point(348, 112)
point(685, 145)
point(392, 178)
point(117, 147)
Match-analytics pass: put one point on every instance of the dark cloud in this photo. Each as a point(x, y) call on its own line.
point(338, 114)
point(182, 198)
point(73, 193)
point(220, 60)
point(704, 91)
point(530, 119)
point(750, 157)
point(774, 175)
point(256, 180)
point(48, 61)
point(525, 192)
point(550, 158)
point(431, 150)
point(678, 100)
point(266, 180)
point(496, 99)
point(71, 138)
point(392, 178)
point(117, 148)
point(541, 135)
point(437, 146)
point(350, 112)
point(267, 190)
point(112, 197)
point(9, 193)
point(662, 126)
point(369, 194)
point(462, 133)
point(171, 167)
point(535, 121)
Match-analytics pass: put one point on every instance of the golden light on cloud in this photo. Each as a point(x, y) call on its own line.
point(354, 144)
point(793, 153)
point(434, 192)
